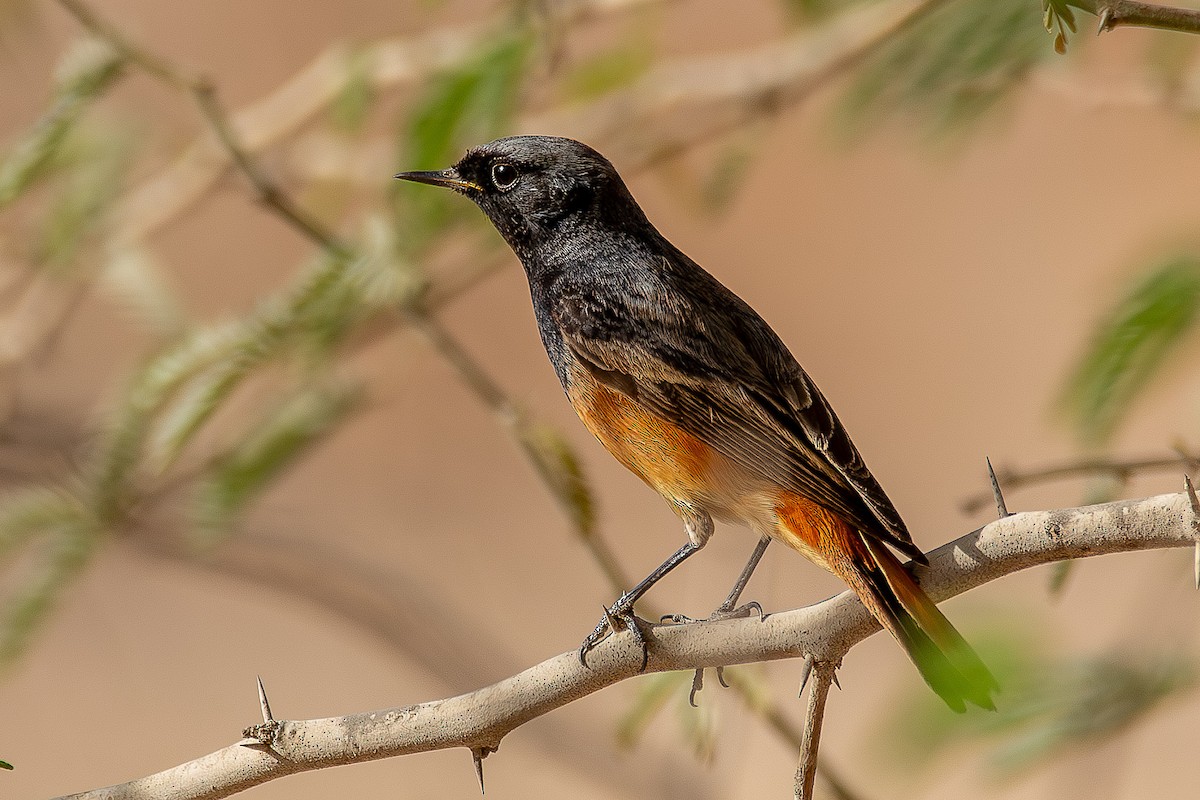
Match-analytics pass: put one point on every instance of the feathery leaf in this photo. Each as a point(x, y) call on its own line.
point(1130, 345)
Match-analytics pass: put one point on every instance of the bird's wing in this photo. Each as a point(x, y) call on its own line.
point(708, 363)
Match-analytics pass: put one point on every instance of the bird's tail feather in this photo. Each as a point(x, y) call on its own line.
point(948, 664)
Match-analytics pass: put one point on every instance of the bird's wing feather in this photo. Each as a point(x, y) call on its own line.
point(720, 373)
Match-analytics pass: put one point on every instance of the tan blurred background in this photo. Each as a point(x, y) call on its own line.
point(938, 295)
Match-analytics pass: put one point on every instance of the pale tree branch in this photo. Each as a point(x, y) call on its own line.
point(823, 631)
point(821, 678)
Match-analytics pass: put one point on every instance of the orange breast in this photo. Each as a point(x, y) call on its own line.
point(672, 461)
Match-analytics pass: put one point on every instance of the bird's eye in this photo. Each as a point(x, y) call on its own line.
point(504, 175)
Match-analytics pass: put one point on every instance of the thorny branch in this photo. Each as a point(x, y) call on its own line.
point(1128, 13)
point(1120, 468)
point(824, 631)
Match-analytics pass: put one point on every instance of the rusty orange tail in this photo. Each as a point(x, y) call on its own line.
point(945, 660)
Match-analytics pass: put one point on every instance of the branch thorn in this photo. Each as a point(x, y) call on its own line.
point(478, 754)
point(262, 701)
point(805, 672)
point(1107, 23)
point(1001, 506)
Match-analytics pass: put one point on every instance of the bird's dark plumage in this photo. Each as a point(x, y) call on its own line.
point(684, 383)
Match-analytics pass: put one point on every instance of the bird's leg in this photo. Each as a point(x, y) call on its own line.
point(730, 609)
point(727, 610)
point(620, 614)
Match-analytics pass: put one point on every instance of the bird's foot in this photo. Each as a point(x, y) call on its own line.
point(619, 617)
point(753, 608)
point(724, 612)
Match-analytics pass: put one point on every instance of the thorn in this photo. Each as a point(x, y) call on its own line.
point(805, 672)
point(262, 701)
point(835, 680)
point(1106, 21)
point(478, 754)
point(1001, 506)
point(612, 620)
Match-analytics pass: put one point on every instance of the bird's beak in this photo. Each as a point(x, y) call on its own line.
point(442, 177)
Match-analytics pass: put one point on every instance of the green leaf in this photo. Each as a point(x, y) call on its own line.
point(5, 765)
point(87, 70)
point(560, 468)
point(1060, 573)
point(35, 511)
point(312, 314)
point(1058, 19)
point(279, 438)
point(102, 158)
point(62, 558)
point(728, 173)
point(136, 280)
point(1085, 702)
point(949, 68)
point(1130, 346)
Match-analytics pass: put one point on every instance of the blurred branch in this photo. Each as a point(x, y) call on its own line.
point(391, 64)
point(1121, 469)
point(824, 631)
point(684, 104)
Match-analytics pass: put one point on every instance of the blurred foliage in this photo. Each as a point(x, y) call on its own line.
point(656, 693)
point(561, 471)
point(354, 102)
point(697, 724)
point(274, 443)
point(85, 73)
point(950, 68)
point(614, 68)
point(1048, 706)
point(816, 10)
point(1131, 345)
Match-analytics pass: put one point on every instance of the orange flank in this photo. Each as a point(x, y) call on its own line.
point(672, 461)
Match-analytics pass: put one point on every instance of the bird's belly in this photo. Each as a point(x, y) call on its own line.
point(692, 475)
point(676, 464)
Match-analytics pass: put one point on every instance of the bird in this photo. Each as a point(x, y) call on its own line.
point(691, 390)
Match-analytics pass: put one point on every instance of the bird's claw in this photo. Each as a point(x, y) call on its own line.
point(742, 611)
point(615, 619)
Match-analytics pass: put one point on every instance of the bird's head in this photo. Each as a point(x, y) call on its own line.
point(539, 189)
